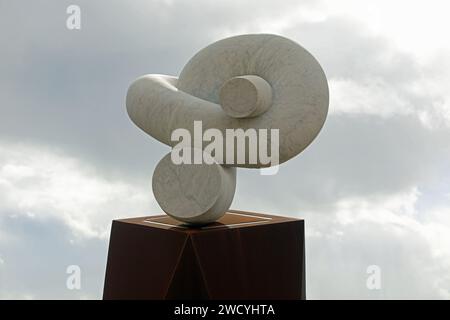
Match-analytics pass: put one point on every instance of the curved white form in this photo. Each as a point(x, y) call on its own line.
point(160, 104)
point(257, 81)
point(194, 193)
point(245, 96)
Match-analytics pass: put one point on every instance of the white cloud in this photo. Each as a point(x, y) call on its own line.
point(379, 98)
point(414, 26)
point(373, 98)
point(41, 184)
point(389, 231)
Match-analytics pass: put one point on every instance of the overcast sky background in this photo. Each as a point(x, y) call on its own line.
point(374, 187)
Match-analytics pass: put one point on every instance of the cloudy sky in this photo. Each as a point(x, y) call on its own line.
point(373, 188)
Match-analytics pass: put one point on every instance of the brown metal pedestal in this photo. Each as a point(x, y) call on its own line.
point(244, 255)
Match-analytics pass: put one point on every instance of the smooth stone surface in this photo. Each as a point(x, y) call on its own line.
point(194, 193)
point(257, 81)
point(159, 104)
point(245, 96)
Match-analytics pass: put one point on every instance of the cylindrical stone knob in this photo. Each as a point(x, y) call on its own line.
point(245, 96)
point(194, 193)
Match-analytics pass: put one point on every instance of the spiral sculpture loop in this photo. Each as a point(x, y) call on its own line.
point(257, 82)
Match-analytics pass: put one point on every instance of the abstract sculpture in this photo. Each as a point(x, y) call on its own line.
point(250, 82)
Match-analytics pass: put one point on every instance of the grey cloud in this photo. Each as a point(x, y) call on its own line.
point(353, 156)
point(67, 88)
point(346, 49)
point(357, 155)
point(337, 268)
point(36, 260)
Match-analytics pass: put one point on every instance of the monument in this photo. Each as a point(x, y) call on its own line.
point(234, 101)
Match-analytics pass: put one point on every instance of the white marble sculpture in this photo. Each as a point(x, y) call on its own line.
point(257, 81)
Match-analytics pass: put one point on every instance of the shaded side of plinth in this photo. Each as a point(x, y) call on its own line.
point(141, 261)
point(267, 262)
point(188, 281)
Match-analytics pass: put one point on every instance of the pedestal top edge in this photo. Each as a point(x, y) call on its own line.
point(231, 219)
